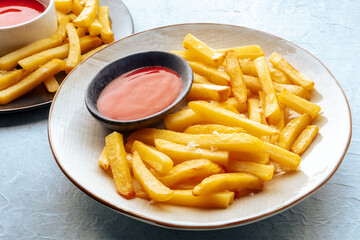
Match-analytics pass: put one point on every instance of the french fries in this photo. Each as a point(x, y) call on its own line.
point(232, 134)
point(74, 56)
point(88, 14)
point(106, 33)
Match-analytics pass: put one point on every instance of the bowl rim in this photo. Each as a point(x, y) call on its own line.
point(47, 9)
point(182, 95)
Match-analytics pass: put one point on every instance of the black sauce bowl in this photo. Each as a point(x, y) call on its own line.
point(127, 64)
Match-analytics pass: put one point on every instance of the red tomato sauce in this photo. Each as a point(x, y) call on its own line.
point(14, 12)
point(139, 93)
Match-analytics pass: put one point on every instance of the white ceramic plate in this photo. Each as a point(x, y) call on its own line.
point(77, 139)
point(122, 26)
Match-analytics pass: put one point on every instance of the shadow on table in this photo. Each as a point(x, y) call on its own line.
point(24, 117)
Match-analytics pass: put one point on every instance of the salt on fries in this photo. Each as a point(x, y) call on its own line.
point(233, 135)
point(71, 39)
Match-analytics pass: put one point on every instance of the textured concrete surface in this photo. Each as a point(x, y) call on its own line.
point(38, 202)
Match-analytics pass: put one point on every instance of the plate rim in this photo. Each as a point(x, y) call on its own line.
point(48, 102)
point(218, 226)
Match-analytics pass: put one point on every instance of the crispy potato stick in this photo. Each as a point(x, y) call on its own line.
point(152, 186)
point(74, 48)
point(248, 67)
point(77, 7)
point(227, 142)
point(62, 22)
point(8, 79)
point(30, 82)
point(205, 53)
point(59, 14)
point(35, 61)
point(246, 52)
point(294, 89)
point(212, 129)
point(106, 34)
point(180, 153)
point(225, 105)
point(227, 181)
point(197, 168)
point(81, 32)
point(157, 160)
point(64, 6)
point(292, 130)
point(254, 112)
point(259, 157)
point(208, 92)
point(51, 84)
point(10, 60)
point(116, 155)
point(272, 110)
point(285, 158)
point(211, 73)
point(180, 120)
point(264, 172)
point(200, 79)
point(225, 117)
point(262, 104)
point(241, 107)
point(103, 161)
point(216, 200)
point(278, 76)
point(88, 14)
point(95, 27)
point(72, 16)
point(235, 73)
point(88, 54)
point(296, 77)
point(304, 140)
point(299, 104)
point(187, 55)
point(252, 83)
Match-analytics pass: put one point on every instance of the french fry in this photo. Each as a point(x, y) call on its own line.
point(77, 7)
point(259, 157)
point(248, 67)
point(88, 14)
point(292, 130)
point(95, 27)
point(180, 153)
point(9, 78)
point(81, 32)
point(285, 158)
point(254, 112)
point(157, 160)
point(197, 168)
point(51, 84)
point(180, 120)
point(272, 109)
point(235, 73)
point(225, 117)
point(227, 142)
point(304, 140)
point(212, 129)
point(35, 61)
point(103, 161)
point(187, 55)
point(299, 104)
point(10, 60)
point(246, 52)
point(63, 20)
point(263, 171)
point(216, 200)
point(72, 16)
point(106, 33)
point(294, 89)
point(74, 56)
point(91, 52)
point(64, 6)
point(211, 73)
point(241, 107)
point(116, 155)
point(278, 76)
point(32, 81)
point(296, 77)
point(208, 92)
point(204, 52)
point(227, 181)
point(226, 105)
point(252, 83)
point(262, 104)
point(200, 79)
point(152, 186)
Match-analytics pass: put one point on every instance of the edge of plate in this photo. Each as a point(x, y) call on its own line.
point(203, 227)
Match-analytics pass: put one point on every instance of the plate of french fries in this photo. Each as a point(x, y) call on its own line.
point(31, 75)
point(264, 126)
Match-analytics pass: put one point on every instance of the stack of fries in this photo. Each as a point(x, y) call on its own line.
point(83, 28)
point(232, 136)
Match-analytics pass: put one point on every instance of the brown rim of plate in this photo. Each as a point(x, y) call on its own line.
point(43, 104)
point(213, 227)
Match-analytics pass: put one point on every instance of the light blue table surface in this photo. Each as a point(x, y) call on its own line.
point(37, 201)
